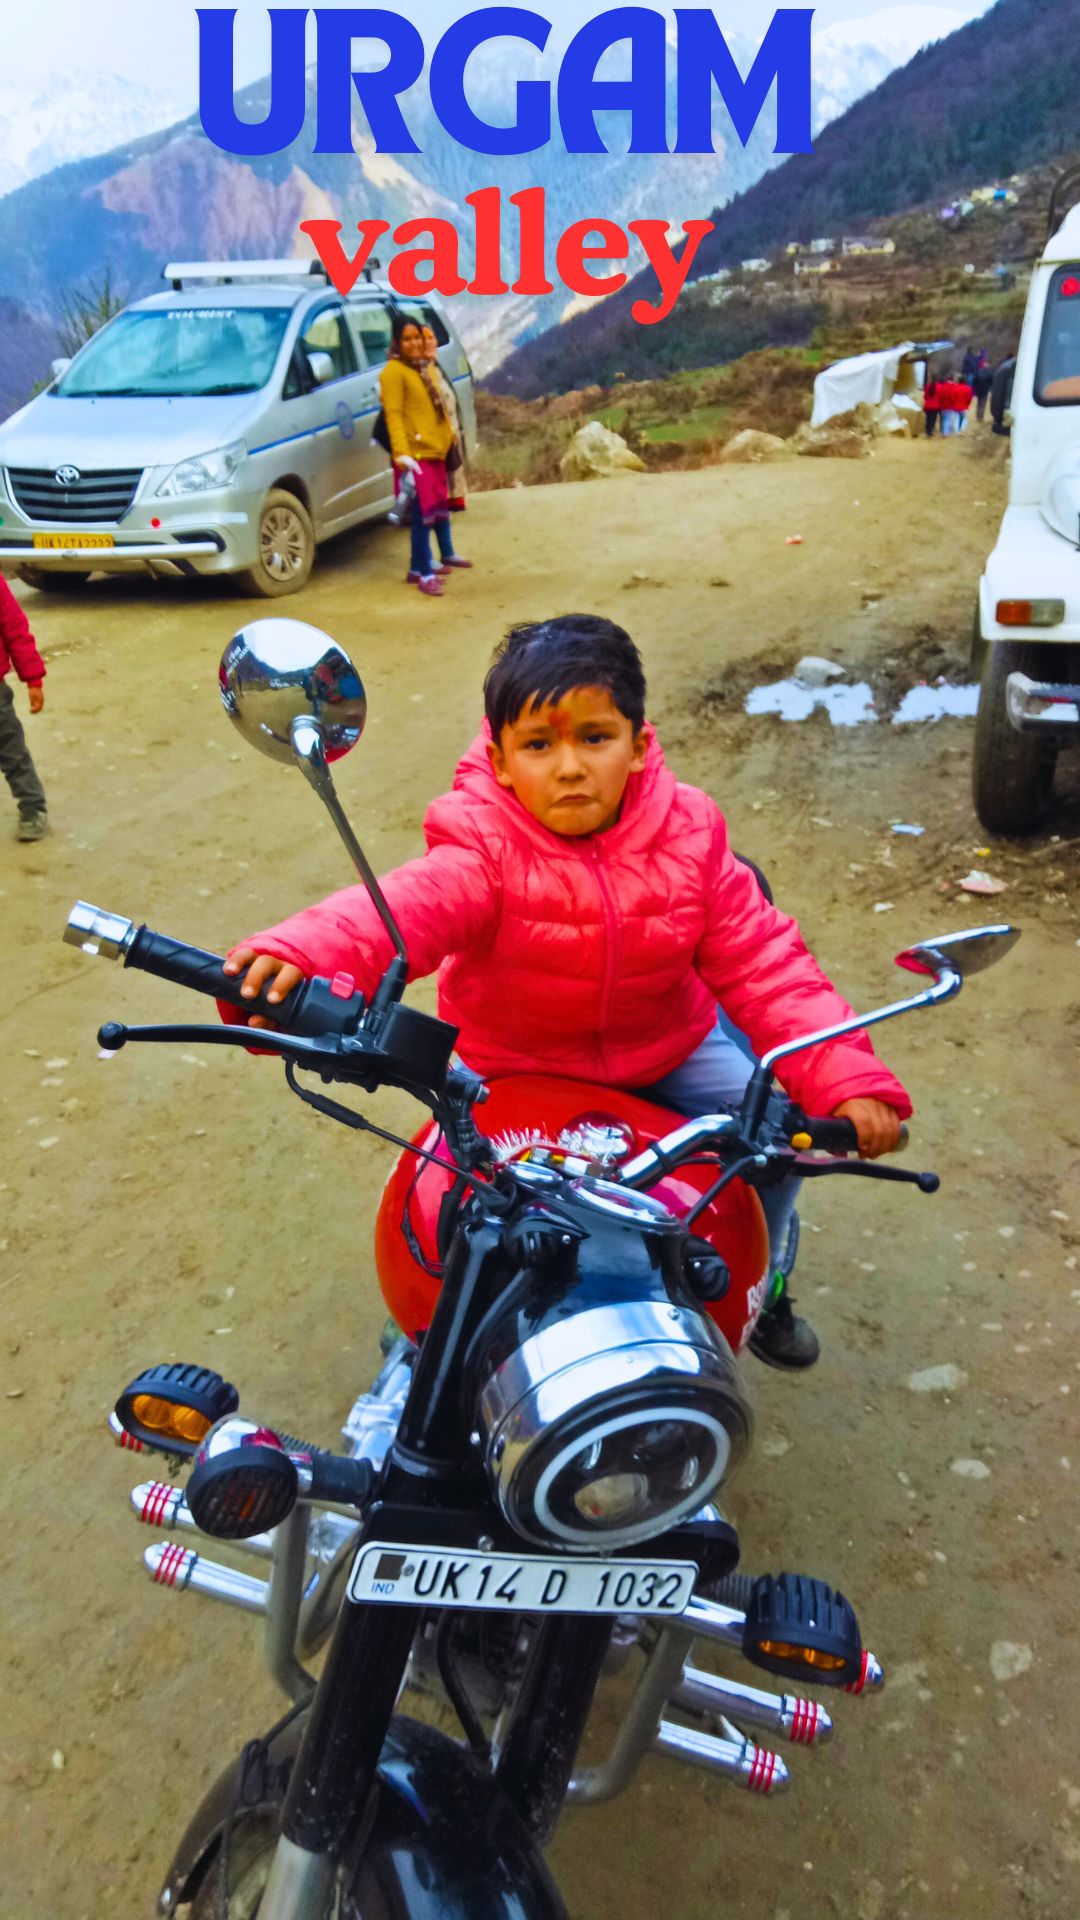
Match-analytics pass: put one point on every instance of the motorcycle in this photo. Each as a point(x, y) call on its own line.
point(528, 1495)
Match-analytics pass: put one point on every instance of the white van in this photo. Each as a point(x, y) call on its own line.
point(1027, 623)
point(221, 427)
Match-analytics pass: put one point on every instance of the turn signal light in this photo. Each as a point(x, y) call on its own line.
point(797, 1624)
point(1030, 613)
point(173, 1406)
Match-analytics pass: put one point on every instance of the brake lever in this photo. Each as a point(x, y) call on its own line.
point(812, 1168)
point(114, 1035)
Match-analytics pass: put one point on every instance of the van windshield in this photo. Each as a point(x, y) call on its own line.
point(179, 351)
point(1057, 376)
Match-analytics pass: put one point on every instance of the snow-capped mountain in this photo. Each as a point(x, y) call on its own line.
point(73, 115)
point(852, 57)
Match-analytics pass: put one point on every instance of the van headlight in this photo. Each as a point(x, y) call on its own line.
point(202, 471)
point(607, 1426)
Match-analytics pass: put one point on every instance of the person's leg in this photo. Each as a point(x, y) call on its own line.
point(421, 563)
point(446, 545)
point(15, 763)
point(713, 1080)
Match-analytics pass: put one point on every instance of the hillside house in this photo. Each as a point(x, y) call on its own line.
point(868, 243)
point(817, 268)
point(755, 266)
point(826, 245)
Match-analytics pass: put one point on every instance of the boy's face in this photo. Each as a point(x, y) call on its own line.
point(569, 763)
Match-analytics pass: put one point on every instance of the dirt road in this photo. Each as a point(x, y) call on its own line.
point(175, 1204)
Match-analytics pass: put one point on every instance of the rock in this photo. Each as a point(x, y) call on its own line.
point(941, 1379)
point(830, 442)
point(750, 447)
point(814, 671)
point(597, 453)
point(1009, 1659)
point(970, 1469)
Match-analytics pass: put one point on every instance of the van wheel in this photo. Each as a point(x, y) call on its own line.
point(45, 581)
point(1012, 773)
point(286, 547)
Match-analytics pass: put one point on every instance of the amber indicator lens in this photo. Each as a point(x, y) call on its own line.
point(162, 1416)
point(804, 1656)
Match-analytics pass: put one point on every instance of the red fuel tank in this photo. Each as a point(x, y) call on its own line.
point(533, 1110)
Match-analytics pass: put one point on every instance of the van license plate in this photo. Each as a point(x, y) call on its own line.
point(426, 1577)
point(73, 542)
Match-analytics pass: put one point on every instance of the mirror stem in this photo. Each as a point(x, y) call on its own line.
point(307, 745)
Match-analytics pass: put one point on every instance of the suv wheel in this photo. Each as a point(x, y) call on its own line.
point(286, 547)
point(45, 581)
point(1012, 773)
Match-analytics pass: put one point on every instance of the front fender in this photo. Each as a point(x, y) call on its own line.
point(442, 1841)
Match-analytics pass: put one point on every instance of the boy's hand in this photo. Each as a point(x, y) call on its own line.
point(37, 698)
point(876, 1123)
point(261, 968)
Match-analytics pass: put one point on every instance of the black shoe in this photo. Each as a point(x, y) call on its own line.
point(783, 1339)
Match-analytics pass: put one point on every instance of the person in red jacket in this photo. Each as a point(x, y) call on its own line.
point(588, 919)
point(18, 651)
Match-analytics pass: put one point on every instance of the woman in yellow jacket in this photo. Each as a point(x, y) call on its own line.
point(421, 435)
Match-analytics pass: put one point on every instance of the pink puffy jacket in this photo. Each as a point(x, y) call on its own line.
point(597, 959)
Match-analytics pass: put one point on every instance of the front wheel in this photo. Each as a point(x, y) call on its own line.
point(1012, 773)
point(44, 581)
point(286, 547)
point(246, 1871)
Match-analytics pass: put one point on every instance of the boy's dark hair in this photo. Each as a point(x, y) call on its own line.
point(545, 659)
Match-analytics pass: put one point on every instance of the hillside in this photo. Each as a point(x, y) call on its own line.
point(995, 98)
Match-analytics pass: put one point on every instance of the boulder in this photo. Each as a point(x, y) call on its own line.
point(751, 446)
point(830, 442)
point(596, 453)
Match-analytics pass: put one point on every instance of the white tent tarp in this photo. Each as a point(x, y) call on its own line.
point(869, 376)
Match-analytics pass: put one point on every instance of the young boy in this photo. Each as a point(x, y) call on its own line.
point(18, 651)
point(588, 917)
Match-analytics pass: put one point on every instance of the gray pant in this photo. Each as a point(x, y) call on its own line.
point(15, 763)
point(713, 1080)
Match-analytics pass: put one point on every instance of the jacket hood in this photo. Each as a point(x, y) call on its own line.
point(647, 802)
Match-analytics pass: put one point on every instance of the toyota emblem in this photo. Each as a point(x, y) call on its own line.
point(67, 476)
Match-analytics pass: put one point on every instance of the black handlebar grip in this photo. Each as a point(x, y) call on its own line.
point(188, 966)
point(833, 1135)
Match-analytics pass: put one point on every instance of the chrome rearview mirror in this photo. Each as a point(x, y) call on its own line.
point(946, 960)
point(962, 953)
point(274, 672)
point(295, 694)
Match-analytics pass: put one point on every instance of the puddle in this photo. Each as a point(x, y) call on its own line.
point(936, 703)
point(853, 706)
point(845, 706)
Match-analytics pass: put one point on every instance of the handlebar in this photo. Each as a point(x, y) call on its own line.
point(315, 1008)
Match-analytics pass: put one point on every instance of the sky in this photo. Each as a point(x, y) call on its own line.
point(155, 42)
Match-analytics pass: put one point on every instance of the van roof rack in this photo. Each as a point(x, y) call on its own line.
point(229, 271)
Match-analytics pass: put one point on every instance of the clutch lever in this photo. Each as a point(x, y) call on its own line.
point(811, 1167)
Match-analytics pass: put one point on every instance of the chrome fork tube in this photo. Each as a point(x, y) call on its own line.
point(300, 1884)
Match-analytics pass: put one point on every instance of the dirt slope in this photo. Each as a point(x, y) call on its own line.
point(175, 1204)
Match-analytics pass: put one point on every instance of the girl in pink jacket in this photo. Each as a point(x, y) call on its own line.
point(588, 919)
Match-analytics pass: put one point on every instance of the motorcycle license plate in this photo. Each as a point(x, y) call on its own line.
point(426, 1577)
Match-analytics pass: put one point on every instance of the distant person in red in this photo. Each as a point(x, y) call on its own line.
point(956, 397)
point(931, 402)
point(19, 652)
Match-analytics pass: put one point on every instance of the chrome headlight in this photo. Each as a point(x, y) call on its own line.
point(203, 471)
point(607, 1426)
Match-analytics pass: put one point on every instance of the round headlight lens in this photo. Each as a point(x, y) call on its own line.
point(609, 1426)
point(641, 1472)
